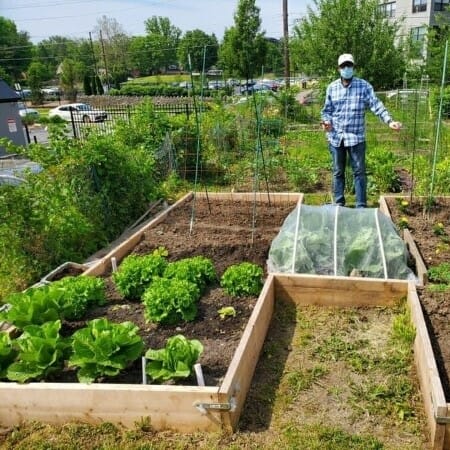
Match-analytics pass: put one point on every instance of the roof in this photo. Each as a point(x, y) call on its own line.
point(7, 94)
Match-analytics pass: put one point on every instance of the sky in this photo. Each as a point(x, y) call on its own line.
point(76, 18)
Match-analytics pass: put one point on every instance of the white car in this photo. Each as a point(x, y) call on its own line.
point(78, 112)
point(25, 111)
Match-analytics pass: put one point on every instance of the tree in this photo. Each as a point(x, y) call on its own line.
point(114, 45)
point(36, 74)
point(436, 38)
point(202, 48)
point(274, 57)
point(161, 43)
point(349, 26)
point(140, 57)
point(71, 73)
point(53, 50)
point(244, 47)
point(15, 50)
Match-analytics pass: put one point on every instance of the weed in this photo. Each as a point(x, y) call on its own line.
point(303, 379)
point(403, 223)
point(440, 273)
point(322, 437)
point(439, 229)
point(440, 287)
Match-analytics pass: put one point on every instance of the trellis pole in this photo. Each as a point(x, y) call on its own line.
point(438, 125)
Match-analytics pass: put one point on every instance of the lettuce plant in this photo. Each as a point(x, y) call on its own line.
point(169, 300)
point(42, 351)
point(174, 361)
point(136, 272)
point(198, 270)
point(104, 348)
point(33, 307)
point(68, 298)
point(242, 279)
point(79, 294)
point(7, 353)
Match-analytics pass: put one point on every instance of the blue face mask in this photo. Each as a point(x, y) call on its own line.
point(346, 72)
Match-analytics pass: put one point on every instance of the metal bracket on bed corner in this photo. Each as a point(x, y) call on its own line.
point(204, 407)
point(442, 420)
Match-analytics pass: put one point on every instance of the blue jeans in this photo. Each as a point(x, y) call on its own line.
point(357, 155)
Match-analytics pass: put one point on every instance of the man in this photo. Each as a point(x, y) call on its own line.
point(343, 118)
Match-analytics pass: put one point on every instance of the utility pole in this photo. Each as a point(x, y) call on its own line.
point(94, 80)
point(287, 68)
point(104, 60)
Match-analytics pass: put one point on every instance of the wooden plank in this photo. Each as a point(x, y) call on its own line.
point(168, 407)
point(127, 246)
point(383, 207)
point(275, 197)
point(338, 291)
point(447, 431)
point(239, 375)
point(430, 383)
point(421, 269)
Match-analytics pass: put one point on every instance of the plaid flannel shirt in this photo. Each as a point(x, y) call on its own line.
point(345, 109)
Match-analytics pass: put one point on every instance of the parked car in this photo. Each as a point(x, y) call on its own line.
point(24, 93)
point(257, 87)
point(25, 111)
point(80, 112)
point(216, 84)
point(51, 92)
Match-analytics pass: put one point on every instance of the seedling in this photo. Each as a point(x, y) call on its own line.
point(227, 311)
point(439, 229)
point(403, 223)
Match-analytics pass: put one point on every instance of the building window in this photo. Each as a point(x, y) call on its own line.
point(419, 6)
point(388, 9)
point(418, 34)
point(440, 5)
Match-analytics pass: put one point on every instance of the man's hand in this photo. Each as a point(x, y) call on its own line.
point(397, 126)
point(326, 126)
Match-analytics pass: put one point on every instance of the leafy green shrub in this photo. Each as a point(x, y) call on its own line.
point(104, 348)
point(170, 300)
point(198, 270)
point(242, 279)
point(135, 273)
point(174, 361)
point(79, 294)
point(7, 353)
point(42, 351)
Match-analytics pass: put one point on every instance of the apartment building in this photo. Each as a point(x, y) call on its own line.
point(417, 16)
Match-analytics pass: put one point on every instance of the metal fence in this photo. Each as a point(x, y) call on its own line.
point(124, 113)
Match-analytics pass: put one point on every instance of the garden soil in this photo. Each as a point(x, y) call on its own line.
point(434, 249)
point(226, 232)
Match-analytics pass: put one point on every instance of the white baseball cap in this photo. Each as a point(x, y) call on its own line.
point(346, 57)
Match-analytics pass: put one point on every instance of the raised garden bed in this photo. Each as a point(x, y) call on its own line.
point(219, 404)
point(205, 226)
point(427, 234)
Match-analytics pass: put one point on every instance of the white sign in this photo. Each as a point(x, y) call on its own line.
point(12, 126)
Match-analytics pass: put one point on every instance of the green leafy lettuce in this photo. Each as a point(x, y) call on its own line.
point(104, 348)
point(174, 361)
